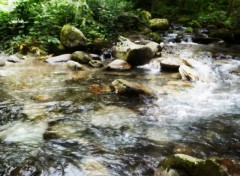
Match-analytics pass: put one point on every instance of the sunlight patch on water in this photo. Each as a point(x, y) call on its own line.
point(23, 132)
point(114, 116)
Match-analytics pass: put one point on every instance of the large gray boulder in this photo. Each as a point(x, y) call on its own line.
point(184, 165)
point(128, 88)
point(133, 53)
point(72, 37)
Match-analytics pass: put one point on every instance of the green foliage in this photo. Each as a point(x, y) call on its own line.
point(216, 18)
point(40, 21)
point(106, 12)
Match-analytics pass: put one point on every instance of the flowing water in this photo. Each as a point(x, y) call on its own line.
point(58, 122)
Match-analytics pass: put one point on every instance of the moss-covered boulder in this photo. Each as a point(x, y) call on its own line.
point(159, 24)
point(184, 19)
point(81, 57)
point(146, 14)
point(194, 24)
point(155, 37)
point(72, 37)
point(133, 53)
point(128, 21)
point(224, 34)
point(128, 88)
point(184, 165)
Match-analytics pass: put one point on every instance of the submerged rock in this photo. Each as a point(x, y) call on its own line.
point(158, 23)
point(133, 53)
point(81, 57)
point(58, 59)
point(72, 37)
point(124, 87)
point(184, 165)
point(118, 65)
point(236, 71)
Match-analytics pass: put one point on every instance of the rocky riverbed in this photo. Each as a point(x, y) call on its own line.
point(111, 117)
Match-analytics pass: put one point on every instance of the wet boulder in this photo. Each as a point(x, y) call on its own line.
point(159, 24)
point(194, 70)
point(185, 165)
point(75, 66)
point(81, 57)
point(225, 34)
point(235, 71)
point(133, 53)
point(170, 64)
point(72, 37)
point(124, 87)
point(118, 65)
point(58, 59)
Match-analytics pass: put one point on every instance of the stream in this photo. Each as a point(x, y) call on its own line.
point(54, 123)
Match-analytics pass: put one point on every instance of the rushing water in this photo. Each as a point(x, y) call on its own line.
point(53, 123)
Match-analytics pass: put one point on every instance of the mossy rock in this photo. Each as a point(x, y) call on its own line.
point(72, 37)
point(189, 30)
point(236, 71)
point(146, 14)
point(224, 34)
point(81, 57)
point(190, 166)
point(159, 24)
point(155, 37)
point(128, 21)
point(194, 24)
point(184, 19)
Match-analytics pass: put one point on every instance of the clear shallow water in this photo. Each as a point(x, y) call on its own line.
point(54, 123)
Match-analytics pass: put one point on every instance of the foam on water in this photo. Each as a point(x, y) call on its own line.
point(206, 99)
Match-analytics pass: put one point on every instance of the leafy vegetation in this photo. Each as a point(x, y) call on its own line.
point(34, 25)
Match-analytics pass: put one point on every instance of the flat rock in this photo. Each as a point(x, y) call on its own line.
point(58, 59)
point(124, 87)
point(170, 64)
